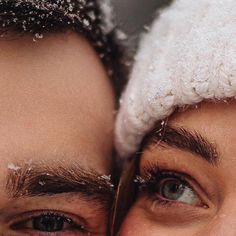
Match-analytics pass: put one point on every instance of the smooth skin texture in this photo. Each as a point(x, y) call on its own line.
point(209, 208)
point(57, 111)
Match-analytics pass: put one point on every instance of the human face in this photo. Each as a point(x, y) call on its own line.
point(56, 124)
point(188, 176)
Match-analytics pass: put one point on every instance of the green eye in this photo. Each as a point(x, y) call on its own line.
point(173, 189)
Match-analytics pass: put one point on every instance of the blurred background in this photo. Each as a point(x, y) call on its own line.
point(134, 15)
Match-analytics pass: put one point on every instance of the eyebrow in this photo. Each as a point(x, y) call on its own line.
point(41, 180)
point(183, 139)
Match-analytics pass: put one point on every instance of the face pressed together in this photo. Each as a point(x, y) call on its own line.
point(57, 117)
point(56, 122)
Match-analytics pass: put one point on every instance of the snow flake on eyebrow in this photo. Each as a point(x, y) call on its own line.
point(13, 167)
point(107, 178)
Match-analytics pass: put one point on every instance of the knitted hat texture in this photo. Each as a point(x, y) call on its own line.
point(189, 55)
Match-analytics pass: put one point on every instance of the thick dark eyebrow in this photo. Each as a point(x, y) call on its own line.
point(183, 139)
point(41, 180)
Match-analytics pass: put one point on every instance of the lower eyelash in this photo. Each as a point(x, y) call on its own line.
point(162, 202)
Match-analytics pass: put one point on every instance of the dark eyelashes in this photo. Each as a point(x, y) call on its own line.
point(148, 183)
point(151, 185)
point(18, 224)
point(152, 175)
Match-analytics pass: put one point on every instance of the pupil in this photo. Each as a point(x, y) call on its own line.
point(48, 223)
point(173, 189)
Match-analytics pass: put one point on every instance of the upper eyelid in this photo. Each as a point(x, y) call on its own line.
point(181, 175)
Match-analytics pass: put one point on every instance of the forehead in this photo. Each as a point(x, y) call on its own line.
point(55, 100)
point(207, 116)
point(215, 121)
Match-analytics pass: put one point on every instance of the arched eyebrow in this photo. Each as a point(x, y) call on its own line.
point(49, 180)
point(190, 141)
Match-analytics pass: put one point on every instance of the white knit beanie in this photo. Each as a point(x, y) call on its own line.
point(188, 56)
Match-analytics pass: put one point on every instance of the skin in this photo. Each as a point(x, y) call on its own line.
point(57, 107)
point(215, 184)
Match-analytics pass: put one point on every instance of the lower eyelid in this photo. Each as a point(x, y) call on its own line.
point(162, 208)
point(169, 203)
point(165, 213)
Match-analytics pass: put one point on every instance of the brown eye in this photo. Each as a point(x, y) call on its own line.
point(49, 223)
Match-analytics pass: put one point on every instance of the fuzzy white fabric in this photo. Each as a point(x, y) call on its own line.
point(188, 56)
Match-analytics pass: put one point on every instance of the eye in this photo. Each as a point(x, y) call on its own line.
point(171, 187)
point(49, 223)
point(174, 189)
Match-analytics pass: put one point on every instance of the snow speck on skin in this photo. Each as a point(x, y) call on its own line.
point(38, 36)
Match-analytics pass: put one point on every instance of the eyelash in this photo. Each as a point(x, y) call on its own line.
point(18, 223)
point(154, 175)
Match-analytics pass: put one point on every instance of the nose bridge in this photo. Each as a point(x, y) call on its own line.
point(223, 224)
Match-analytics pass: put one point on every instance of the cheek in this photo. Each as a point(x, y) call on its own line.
point(137, 224)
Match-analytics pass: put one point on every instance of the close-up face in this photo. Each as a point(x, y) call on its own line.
point(56, 124)
point(187, 182)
